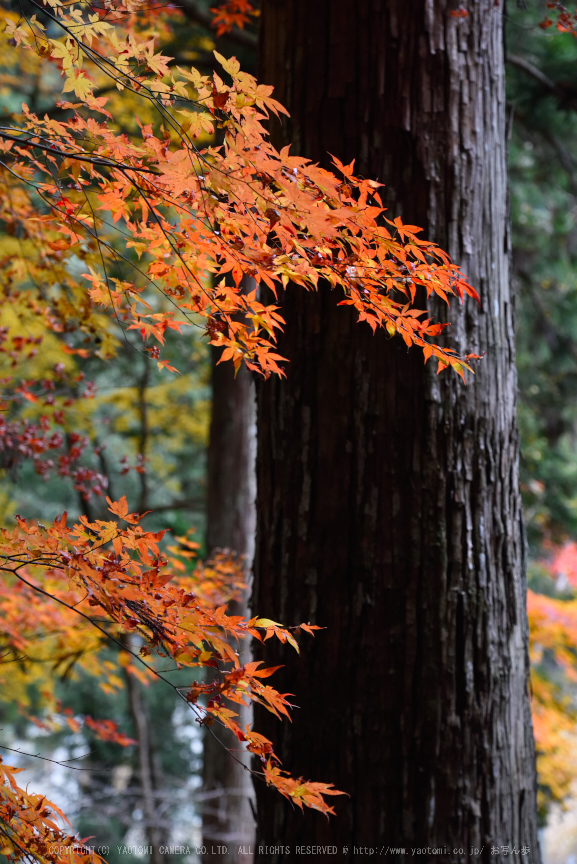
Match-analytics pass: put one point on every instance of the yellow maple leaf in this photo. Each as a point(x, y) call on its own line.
point(79, 84)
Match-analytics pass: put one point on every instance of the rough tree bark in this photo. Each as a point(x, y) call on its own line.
point(388, 506)
point(227, 788)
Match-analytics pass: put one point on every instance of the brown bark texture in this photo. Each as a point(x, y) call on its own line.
point(228, 822)
point(388, 506)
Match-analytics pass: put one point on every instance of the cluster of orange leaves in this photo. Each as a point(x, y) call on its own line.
point(200, 214)
point(28, 828)
point(105, 578)
point(566, 22)
point(232, 13)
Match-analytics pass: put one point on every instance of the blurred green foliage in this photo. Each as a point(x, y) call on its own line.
point(542, 96)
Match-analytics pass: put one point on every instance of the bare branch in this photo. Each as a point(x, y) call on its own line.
point(566, 94)
point(527, 67)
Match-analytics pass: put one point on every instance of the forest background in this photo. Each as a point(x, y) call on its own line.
point(146, 435)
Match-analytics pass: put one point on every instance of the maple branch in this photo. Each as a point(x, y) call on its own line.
point(101, 242)
point(90, 620)
point(121, 644)
point(50, 148)
point(94, 234)
point(54, 761)
point(13, 838)
point(103, 63)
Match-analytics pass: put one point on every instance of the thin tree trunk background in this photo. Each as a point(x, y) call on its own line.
point(388, 507)
point(149, 774)
point(227, 787)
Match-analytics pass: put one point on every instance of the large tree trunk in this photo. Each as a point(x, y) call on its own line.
point(388, 507)
point(228, 821)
